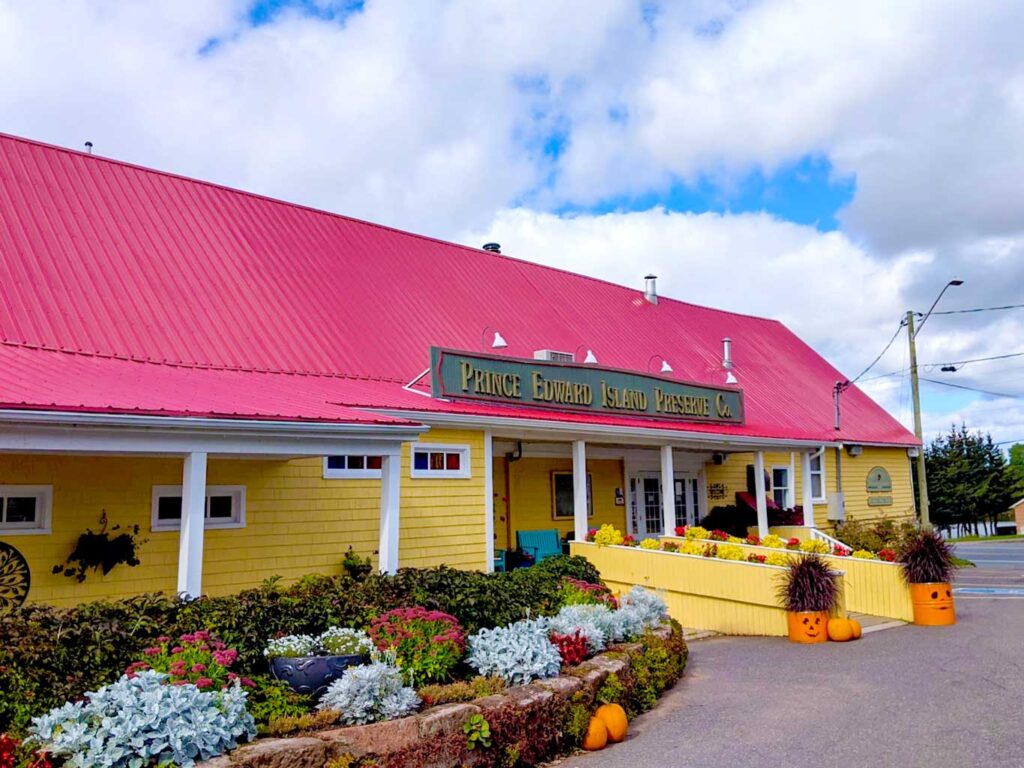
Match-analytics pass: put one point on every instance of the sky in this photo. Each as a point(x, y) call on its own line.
point(828, 164)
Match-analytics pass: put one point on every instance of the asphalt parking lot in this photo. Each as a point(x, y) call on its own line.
point(911, 696)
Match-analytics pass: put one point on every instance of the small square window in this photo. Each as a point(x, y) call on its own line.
point(219, 507)
point(25, 509)
point(440, 461)
point(224, 507)
point(352, 466)
point(21, 509)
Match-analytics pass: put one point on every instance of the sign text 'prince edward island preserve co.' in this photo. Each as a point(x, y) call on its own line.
point(469, 376)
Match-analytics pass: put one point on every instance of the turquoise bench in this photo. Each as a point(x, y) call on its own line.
point(540, 544)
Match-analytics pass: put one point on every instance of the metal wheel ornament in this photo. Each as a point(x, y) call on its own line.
point(15, 577)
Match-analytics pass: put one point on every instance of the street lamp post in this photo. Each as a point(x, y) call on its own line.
point(922, 479)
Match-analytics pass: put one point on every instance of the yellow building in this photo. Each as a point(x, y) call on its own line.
point(259, 387)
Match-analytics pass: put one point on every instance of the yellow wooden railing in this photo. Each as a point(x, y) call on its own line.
point(727, 596)
point(874, 587)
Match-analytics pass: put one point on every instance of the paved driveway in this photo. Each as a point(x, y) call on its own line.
point(946, 697)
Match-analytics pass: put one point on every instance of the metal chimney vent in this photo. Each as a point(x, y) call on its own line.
point(727, 353)
point(651, 288)
point(492, 247)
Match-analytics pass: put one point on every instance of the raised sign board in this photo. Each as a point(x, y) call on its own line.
point(575, 387)
point(879, 480)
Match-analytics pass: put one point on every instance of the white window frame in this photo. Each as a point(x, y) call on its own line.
point(788, 487)
point(237, 520)
point(43, 494)
point(331, 473)
point(820, 458)
point(464, 471)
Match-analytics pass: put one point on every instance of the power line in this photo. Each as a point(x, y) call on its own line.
point(856, 378)
point(977, 309)
point(971, 389)
point(979, 359)
point(1007, 442)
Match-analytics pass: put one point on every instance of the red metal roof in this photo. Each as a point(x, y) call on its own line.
point(183, 297)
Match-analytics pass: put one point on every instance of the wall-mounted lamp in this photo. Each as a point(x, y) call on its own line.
point(591, 358)
point(665, 367)
point(497, 343)
point(855, 450)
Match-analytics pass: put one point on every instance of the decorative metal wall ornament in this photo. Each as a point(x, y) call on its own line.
point(15, 577)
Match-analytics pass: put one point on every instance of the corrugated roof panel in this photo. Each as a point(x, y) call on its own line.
point(118, 261)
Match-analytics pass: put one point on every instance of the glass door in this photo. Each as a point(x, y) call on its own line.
point(650, 506)
point(686, 500)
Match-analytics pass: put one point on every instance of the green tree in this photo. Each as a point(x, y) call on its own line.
point(968, 480)
point(1015, 469)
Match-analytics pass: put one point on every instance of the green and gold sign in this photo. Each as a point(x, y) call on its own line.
point(465, 375)
point(879, 480)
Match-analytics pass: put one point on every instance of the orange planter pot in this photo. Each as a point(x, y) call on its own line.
point(933, 604)
point(807, 626)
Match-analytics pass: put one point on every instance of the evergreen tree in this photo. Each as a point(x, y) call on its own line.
point(968, 480)
point(1015, 469)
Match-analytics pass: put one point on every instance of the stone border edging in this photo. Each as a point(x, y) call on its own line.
point(445, 720)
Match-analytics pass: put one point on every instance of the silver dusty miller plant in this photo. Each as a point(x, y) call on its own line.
point(651, 608)
point(140, 722)
point(371, 692)
point(519, 652)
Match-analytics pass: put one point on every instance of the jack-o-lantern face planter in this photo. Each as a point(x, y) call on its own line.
point(807, 626)
point(933, 604)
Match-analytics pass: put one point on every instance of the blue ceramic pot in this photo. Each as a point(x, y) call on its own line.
point(312, 674)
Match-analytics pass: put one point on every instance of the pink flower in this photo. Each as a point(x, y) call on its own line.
point(177, 649)
point(153, 651)
point(203, 682)
point(248, 683)
point(198, 667)
point(177, 668)
point(163, 640)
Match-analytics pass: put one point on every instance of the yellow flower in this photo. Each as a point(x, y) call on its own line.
point(650, 544)
point(696, 532)
point(608, 536)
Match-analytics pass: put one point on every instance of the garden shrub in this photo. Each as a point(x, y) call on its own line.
point(140, 721)
point(517, 653)
point(579, 592)
point(271, 699)
point(588, 621)
point(572, 647)
point(199, 658)
point(651, 607)
point(875, 536)
point(656, 666)
point(369, 693)
point(52, 655)
point(284, 725)
point(428, 645)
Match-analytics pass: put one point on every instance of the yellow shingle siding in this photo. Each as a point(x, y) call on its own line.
point(296, 521)
point(530, 491)
point(733, 475)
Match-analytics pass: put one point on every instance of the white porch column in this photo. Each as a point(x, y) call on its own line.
point(390, 485)
point(489, 501)
point(193, 519)
point(759, 494)
point(805, 478)
point(579, 489)
point(668, 491)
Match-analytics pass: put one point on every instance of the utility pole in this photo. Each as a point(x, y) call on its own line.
point(922, 479)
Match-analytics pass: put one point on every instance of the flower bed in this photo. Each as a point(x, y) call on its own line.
point(525, 725)
point(218, 667)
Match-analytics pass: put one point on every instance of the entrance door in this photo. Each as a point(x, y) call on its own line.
point(686, 499)
point(648, 490)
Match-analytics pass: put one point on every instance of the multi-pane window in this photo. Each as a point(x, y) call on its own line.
point(440, 460)
point(352, 466)
point(25, 508)
point(782, 488)
point(563, 495)
point(818, 477)
point(225, 507)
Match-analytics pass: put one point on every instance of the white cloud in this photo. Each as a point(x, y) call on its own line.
point(433, 117)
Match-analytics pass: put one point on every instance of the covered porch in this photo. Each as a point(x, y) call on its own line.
point(221, 503)
point(544, 482)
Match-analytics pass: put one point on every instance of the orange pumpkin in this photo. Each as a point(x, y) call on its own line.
point(614, 718)
point(840, 630)
point(597, 735)
point(807, 626)
point(933, 604)
point(857, 631)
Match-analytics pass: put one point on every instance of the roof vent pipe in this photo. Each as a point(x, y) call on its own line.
point(492, 247)
point(651, 288)
point(727, 353)
point(88, 147)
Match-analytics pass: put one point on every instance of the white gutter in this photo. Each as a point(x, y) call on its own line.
point(246, 426)
point(614, 433)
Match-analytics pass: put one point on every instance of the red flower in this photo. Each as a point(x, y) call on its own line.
point(887, 554)
point(680, 530)
point(203, 682)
